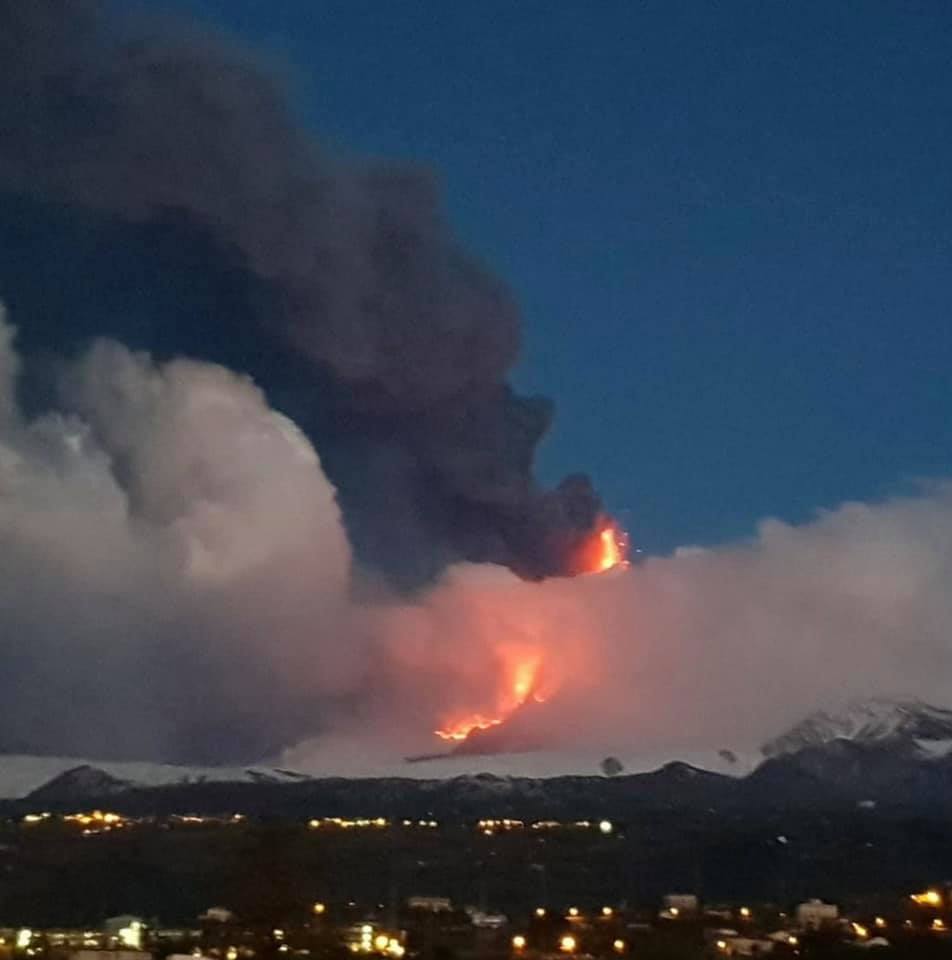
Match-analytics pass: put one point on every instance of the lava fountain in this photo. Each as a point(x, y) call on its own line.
point(521, 683)
point(606, 549)
point(521, 674)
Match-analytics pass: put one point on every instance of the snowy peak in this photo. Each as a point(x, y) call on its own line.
point(79, 782)
point(65, 777)
point(874, 720)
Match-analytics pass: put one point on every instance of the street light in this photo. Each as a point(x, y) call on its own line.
point(567, 944)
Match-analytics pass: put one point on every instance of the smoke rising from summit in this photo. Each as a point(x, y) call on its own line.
point(176, 205)
point(246, 371)
point(702, 650)
point(176, 584)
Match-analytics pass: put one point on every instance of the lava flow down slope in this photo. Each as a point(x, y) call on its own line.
point(522, 705)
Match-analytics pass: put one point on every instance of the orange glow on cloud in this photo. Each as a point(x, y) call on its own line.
point(611, 543)
point(605, 549)
point(521, 681)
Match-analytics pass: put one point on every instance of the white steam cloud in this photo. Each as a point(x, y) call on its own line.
point(173, 565)
point(175, 582)
point(704, 650)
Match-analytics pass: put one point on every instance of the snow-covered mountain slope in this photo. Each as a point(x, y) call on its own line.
point(344, 758)
point(20, 775)
point(877, 719)
point(552, 763)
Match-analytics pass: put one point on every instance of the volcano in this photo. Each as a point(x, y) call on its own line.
point(521, 732)
point(525, 683)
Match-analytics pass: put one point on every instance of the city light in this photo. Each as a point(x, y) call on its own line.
point(540, 911)
point(929, 898)
point(745, 912)
point(880, 922)
point(573, 912)
point(131, 936)
point(721, 944)
point(381, 941)
point(24, 937)
point(489, 826)
point(319, 908)
point(345, 823)
point(792, 940)
point(605, 826)
point(860, 931)
point(607, 911)
point(938, 924)
point(518, 942)
point(567, 944)
point(619, 946)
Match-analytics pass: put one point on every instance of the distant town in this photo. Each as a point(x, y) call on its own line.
point(278, 888)
point(431, 926)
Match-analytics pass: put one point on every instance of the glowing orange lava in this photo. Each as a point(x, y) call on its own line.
point(521, 666)
point(521, 669)
point(612, 554)
point(606, 549)
point(461, 730)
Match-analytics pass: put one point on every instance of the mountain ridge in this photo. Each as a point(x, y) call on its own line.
point(877, 751)
point(871, 719)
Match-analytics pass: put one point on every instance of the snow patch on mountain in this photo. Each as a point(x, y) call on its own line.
point(340, 757)
point(875, 719)
point(934, 749)
point(21, 775)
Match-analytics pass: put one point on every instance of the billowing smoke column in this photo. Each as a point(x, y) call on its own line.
point(683, 655)
point(155, 188)
point(175, 576)
point(173, 571)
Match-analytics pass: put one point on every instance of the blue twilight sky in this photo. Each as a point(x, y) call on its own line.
point(729, 223)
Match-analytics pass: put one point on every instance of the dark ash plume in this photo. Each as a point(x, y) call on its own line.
point(156, 189)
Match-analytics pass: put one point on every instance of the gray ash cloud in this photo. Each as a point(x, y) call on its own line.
point(156, 188)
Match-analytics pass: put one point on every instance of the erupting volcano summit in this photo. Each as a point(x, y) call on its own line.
point(524, 683)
